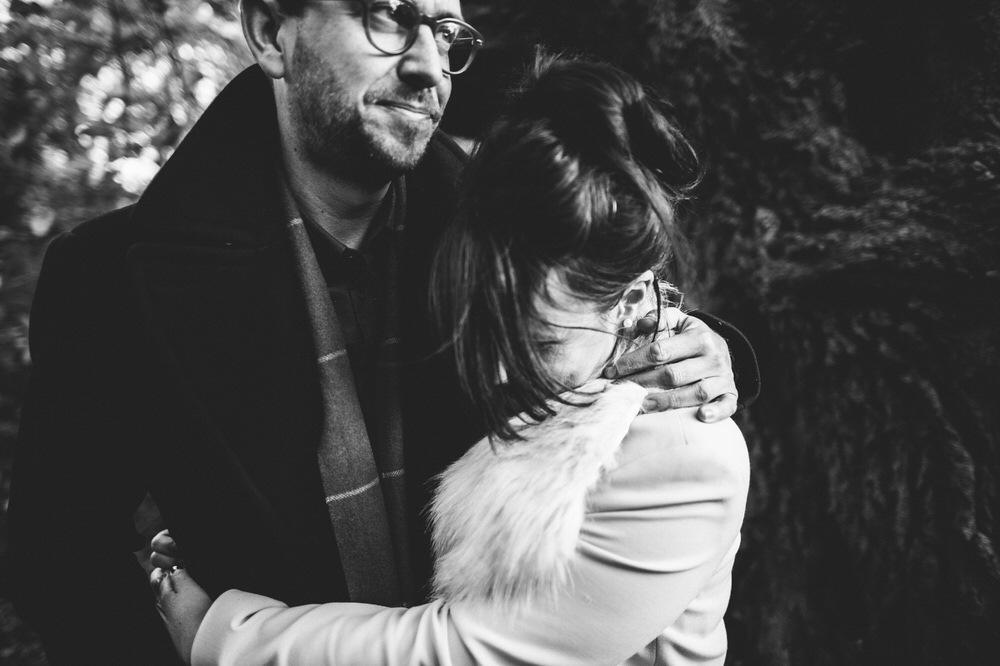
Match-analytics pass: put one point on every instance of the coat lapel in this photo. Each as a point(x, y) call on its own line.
point(212, 271)
point(217, 294)
point(229, 326)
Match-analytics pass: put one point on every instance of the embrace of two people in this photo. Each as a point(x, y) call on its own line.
point(317, 297)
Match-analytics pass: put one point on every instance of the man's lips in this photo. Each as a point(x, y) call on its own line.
point(414, 108)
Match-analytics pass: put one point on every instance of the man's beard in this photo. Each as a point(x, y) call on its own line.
point(335, 134)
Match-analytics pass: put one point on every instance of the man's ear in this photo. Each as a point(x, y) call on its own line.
point(262, 27)
point(637, 299)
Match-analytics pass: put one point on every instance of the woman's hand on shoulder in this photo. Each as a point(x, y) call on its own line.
point(692, 368)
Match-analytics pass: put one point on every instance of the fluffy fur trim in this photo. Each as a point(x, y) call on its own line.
point(506, 520)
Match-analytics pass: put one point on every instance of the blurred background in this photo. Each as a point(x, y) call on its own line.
point(849, 224)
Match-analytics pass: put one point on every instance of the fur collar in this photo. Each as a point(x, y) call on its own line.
point(506, 520)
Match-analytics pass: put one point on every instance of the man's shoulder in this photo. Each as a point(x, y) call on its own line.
point(112, 224)
point(91, 250)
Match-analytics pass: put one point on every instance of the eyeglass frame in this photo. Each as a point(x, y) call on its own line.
point(411, 39)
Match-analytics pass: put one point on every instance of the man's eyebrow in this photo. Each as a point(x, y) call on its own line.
point(449, 15)
point(443, 14)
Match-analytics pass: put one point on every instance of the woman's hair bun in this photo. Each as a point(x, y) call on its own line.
point(605, 117)
point(658, 145)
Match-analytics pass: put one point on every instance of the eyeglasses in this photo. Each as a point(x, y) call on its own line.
point(392, 27)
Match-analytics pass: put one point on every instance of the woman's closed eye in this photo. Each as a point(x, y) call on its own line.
point(548, 349)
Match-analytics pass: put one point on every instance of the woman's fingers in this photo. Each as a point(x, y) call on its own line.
point(164, 580)
point(165, 561)
point(182, 604)
point(156, 577)
point(164, 543)
point(166, 554)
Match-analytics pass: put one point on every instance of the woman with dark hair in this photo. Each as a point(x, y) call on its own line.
point(568, 201)
point(580, 531)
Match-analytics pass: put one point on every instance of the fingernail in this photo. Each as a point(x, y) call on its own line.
point(707, 414)
point(610, 372)
point(648, 404)
point(647, 324)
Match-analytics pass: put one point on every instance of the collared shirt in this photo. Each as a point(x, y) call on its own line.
point(356, 282)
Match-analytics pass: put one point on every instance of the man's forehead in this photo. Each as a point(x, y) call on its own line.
point(440, 8)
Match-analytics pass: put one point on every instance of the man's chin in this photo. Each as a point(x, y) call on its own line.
point(400, 156)
point(373, 158)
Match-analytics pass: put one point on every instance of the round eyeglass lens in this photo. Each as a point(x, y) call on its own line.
point(392, 26)
point(457, 45)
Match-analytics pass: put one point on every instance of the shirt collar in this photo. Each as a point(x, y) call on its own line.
point(381, 227)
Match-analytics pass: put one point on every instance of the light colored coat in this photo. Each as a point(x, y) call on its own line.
point(605, 537)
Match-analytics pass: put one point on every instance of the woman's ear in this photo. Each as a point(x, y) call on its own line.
point(262, 22)
point(637, 299)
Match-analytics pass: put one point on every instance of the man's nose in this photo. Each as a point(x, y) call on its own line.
point(422, 66)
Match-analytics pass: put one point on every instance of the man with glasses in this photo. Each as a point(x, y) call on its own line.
point(249, 338)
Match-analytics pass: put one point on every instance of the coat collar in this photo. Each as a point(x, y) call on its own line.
point(534, 492)
point(220, 180)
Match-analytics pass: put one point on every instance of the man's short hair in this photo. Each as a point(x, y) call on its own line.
point(291, 7)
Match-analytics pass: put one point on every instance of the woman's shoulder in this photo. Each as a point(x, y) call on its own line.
point(673, 453)
point(681, 432)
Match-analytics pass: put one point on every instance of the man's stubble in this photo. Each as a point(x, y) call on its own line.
point(334, 133)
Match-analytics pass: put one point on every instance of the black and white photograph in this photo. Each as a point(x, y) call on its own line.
point(499, 333)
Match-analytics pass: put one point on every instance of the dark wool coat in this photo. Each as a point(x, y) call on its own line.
point(172, 355)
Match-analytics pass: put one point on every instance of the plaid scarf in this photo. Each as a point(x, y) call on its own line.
point(361, 467)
